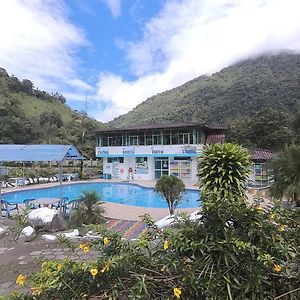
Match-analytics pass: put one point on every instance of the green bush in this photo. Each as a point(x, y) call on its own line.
point(171, 188)
point(89, 210)
point(286, 175)
point(233, 251)
point(223, 170)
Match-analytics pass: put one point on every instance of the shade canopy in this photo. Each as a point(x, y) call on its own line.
point(57, 153)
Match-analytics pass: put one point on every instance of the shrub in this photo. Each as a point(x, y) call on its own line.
point(286, 175)
point(223, 170)
point(234, 251)
point(89, 210)
point(171, 188)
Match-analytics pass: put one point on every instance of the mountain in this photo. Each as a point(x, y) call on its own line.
point(237, 92)
point(28, 115)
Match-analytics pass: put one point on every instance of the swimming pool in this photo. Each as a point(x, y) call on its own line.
point(122, 193)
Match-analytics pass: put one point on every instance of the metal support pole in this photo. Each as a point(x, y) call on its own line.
point(23, 179)
point(60, 187)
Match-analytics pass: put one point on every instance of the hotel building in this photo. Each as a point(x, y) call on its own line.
point(148, 152)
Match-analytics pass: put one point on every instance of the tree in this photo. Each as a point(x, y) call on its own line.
point(223, 170)
point(269, 129)
point(286, 174)
point(171, 188)
point(90, 210)
point(51, 122)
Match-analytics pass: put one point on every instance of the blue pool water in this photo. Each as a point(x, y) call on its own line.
point(123, 193)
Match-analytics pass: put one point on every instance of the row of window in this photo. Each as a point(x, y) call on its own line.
point(121, 159)
point(154, 138)
point(139, 160)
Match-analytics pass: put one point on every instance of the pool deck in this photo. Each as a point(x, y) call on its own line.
point(122, 211)
point(114, 210)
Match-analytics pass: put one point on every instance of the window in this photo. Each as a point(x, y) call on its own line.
point(175, 139)
point(141, 165)
point(141, 139)
point(133, 140)
point(156, 139)
point(116, 141)
point(182, 158)
point(115, 159)
point(167, 139)
point(149, 139)
point(104, 141)
point(183, 138)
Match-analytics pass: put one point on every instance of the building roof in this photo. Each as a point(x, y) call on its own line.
point(42, 152)
point(261, 154)
point(165, 126)
point(215, 138)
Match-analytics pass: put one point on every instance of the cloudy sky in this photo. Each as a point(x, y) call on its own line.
point(117, 53)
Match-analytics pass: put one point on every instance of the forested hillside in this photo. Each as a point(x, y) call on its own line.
point(28, 115)
point(259, 98)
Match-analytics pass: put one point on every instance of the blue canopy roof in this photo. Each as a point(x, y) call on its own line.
point(40, 152)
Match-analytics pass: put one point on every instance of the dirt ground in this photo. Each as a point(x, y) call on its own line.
point(17, 257)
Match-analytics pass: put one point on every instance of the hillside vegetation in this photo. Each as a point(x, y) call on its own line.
point(28, 115)
point(266, 89)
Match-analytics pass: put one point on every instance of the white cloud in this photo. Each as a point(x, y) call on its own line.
point(191, 37)
point(114, 6)
point(38, 42)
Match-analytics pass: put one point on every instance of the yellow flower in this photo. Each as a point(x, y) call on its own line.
point(166, 245)
point(259, 208)
point(106, 241)
point(277, 268)
point(177, 292)
point(273, 216)
point(94, 271)
point(59, 267)
point(83, 245)
point(106, 267)
point(20, 279)
point(282, 228)
point(86, 249)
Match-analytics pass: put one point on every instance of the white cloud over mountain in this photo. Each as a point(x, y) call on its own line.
point(191, 37)
point(187, 38)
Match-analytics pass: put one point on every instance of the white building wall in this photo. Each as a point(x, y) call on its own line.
point(194, 177)
point(121, 170)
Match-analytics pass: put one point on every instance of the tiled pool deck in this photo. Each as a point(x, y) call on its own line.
point(114, 210)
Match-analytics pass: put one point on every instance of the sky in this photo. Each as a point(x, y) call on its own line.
point(114, 54)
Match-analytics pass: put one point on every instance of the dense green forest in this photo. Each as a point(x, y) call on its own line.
point(258, 97)
point(28, 115)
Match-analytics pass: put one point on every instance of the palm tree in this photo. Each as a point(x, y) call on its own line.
point(89, 211)
point(286, 175)
point(171, 188)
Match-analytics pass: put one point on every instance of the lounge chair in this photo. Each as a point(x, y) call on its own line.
point(9, 184)
point(71, 205)
point(30, 205)
point(8, 207)
point(62, 204)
